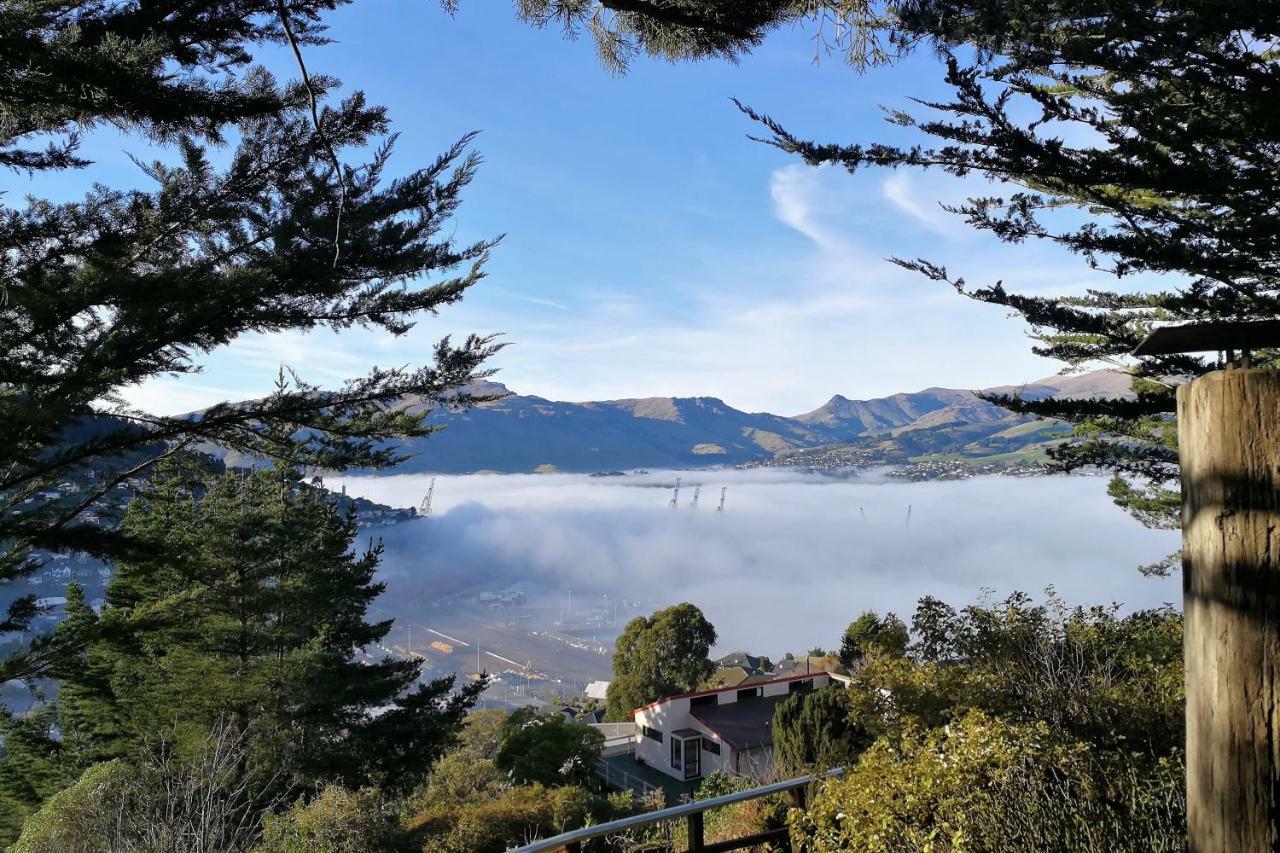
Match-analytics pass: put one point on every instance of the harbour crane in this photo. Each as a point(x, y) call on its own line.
point(425, 509)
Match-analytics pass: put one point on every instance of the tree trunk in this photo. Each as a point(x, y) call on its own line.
point(1229, 445)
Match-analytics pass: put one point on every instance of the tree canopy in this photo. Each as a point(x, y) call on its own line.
point(660, 655)
point(281, 231)
point(870, 633)
point(244, 614)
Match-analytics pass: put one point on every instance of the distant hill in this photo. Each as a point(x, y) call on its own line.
point(519, 434)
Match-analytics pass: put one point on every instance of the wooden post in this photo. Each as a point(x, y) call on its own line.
point(1229, 446)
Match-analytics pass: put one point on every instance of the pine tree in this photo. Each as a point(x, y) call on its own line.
point(245, 606)
point(1175, 175)
point(99, 294)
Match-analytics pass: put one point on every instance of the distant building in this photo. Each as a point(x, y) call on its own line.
point(730, 728)
point(597, 690)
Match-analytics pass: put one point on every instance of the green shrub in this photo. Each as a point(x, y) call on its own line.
point(335, 821)
point(982, 784)
point(493, 825)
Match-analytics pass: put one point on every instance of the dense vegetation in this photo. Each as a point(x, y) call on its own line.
point(1008, 726)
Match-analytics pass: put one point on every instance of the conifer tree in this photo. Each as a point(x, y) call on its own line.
point(245, 605)
point(98, 295)
point(1141, 136)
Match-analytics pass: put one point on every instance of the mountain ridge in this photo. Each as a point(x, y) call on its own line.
point(514, 433)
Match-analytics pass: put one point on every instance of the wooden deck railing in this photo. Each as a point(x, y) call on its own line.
point(692, 813)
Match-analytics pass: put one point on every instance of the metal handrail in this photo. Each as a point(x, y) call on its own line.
point(574, 839)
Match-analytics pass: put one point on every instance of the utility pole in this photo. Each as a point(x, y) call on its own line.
point(697, 490)
point(675, 495)
point(1229, 453)
point(723, 489)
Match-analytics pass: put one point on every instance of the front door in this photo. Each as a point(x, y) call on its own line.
point(693, 758)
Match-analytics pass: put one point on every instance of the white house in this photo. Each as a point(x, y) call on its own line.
point(597, 690)
point(694, 734)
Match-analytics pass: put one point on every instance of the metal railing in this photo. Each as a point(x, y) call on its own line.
point(622, 780)
point(571, 842)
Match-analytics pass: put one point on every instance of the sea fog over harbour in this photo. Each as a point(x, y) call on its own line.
point(792, 559)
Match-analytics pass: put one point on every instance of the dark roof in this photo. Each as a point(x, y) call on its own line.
point(742, 659)
point(743, 724)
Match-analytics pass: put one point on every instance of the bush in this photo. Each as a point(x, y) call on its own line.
point(160, 803)
point(512, 817)
point(814, 730)
point(335, 821)
point(982, 784)
point(549, 749)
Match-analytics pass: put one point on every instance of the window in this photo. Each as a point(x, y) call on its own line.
point(702, 701)
point(748, 693)
point(711, 746)
point(800, 686)
point(653, 734)
point(677, 753)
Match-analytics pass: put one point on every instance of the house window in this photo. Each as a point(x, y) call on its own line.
point(702, 701)
point(677, 753)
point(711, 746)
point(800, 686)
point(748, 693)
point(653, 734)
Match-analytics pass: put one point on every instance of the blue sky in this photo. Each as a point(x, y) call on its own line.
point(651, 248)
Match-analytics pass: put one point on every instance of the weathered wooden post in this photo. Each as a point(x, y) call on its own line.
point(1229, 451)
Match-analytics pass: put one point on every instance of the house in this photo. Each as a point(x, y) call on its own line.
point(597, 690)
point(729, 728)
point(753, 664)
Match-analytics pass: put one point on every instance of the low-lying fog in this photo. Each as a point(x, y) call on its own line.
point(793, 557)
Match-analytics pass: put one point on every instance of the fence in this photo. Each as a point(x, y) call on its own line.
point(692, 813)
point(618, 778)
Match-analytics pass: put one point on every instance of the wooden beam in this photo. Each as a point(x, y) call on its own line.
point(1211, 337)
point(1229, 447)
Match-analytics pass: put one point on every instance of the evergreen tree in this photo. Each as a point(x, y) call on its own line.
point(814, 730)
point(872, 632)
point(659, 655)
point(98, 295)
point(1173, 176)
point(246, 609)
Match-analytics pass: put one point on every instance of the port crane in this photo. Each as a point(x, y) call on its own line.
point(425, 509)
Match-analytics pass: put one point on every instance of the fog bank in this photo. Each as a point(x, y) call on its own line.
point(792, 559)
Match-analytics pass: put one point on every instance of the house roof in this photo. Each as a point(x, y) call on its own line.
point(745, 724)
point(742, 659)
point(730, 676)
point(722, 690)
point(597, 690)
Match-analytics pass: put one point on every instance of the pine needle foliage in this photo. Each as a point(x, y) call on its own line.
point(267, 207)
